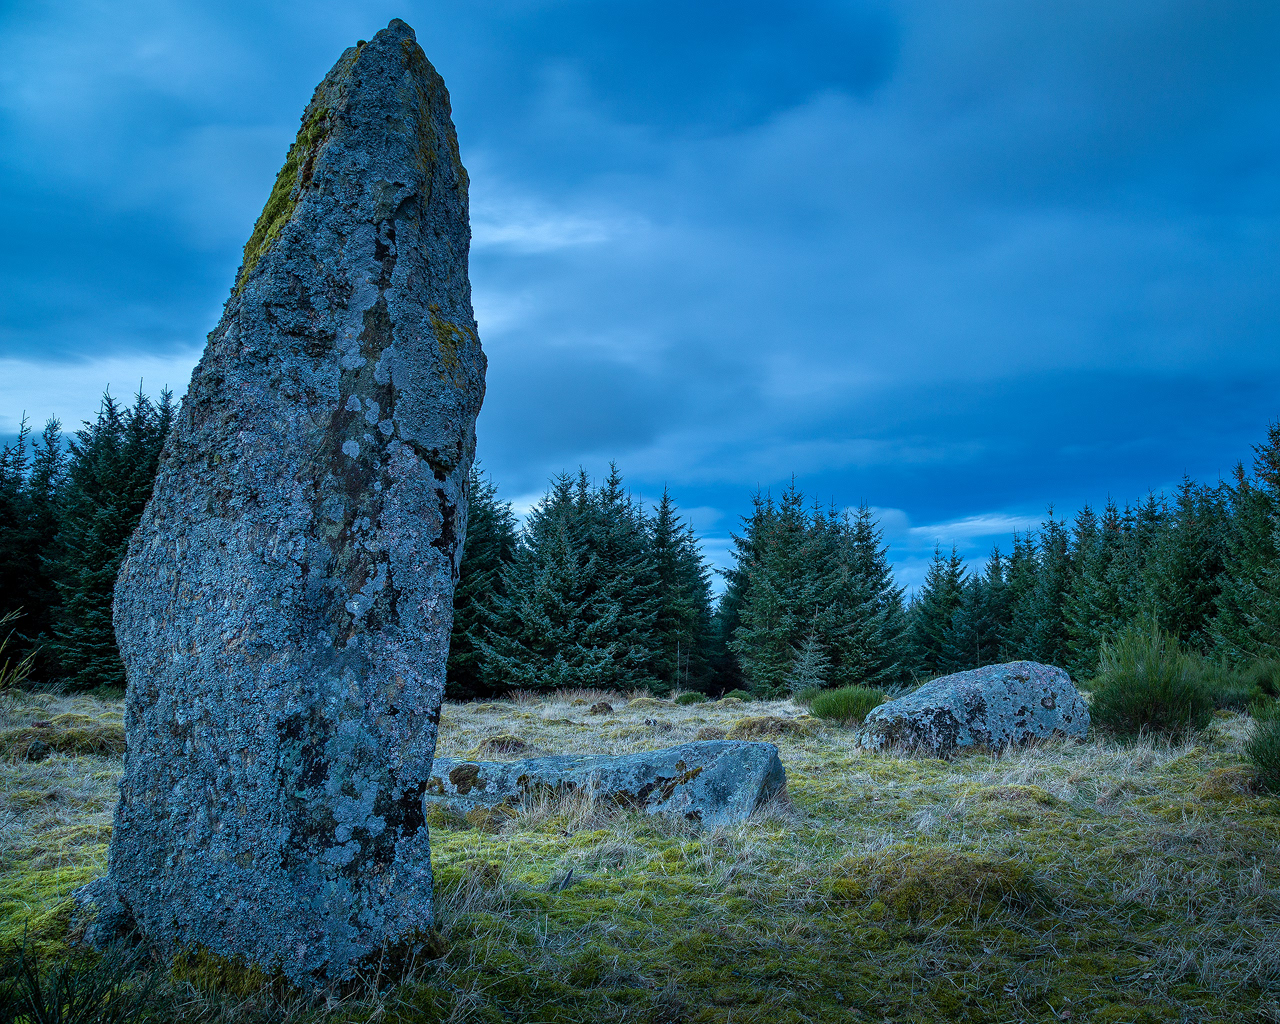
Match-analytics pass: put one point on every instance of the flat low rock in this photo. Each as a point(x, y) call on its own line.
point(992, 707)
point(712, 783)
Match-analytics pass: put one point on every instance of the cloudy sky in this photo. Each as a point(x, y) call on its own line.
point(960, 261)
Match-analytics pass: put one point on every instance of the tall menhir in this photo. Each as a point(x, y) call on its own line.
point(285, 608)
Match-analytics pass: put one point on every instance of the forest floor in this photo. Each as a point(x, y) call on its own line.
point(1097, 881)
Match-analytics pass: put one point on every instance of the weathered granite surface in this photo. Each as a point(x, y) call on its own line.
point(713, 783)
point(285, 607)
point(993, 706)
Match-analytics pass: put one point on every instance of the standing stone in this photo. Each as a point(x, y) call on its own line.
point(285, 607)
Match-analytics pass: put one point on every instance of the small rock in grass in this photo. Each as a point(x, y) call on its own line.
point(38, 750)
point(603, 708)
point(767, 725)
point(991, 707)
point(712, 783)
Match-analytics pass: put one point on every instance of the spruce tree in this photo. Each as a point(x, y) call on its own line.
point(871, 641)
point(1247, 625)
point(976, 634)
point(553, 625)
point(19, 550)
point(1092, 608)
point(110, 475)
point(774, 613)
point(1043, 621)
point(1185, 567)
point(490, 548)
point(931, 612)
point(682, 627)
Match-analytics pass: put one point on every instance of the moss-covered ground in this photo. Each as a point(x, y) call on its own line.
point(1097, 881)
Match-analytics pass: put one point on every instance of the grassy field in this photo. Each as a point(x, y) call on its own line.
point(1097, 881)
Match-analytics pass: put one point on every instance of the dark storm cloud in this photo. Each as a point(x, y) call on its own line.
point(960, 261)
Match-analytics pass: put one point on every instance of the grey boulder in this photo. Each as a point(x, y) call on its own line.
point(993, 707)
point(285, 606)
point(710, 783)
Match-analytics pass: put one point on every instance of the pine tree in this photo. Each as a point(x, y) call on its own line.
point(112, 470)
point(774, 612)
point(811, 667)
point(682, 626)
point(1046, 628)
point(1248, 621)
point(490, 548)
point(976, 634)
point(552, 625)
point(1185, 566)
point(580, 596)
point(870, 639)
point(931, 612)
point(1092, 608)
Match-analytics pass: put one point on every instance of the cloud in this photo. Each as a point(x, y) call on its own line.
point(72, 391)
point(944, 259)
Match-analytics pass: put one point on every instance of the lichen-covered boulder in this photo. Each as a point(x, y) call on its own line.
point(991, 707)
point(712, 783)
point(285, 607)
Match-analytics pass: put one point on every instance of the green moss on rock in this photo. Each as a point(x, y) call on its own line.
point(296, 173)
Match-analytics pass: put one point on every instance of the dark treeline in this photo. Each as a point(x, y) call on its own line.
point(67, 509)
point(595, 589)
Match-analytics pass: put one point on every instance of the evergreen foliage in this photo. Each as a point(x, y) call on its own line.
point(489, 548)
point(810, 580)
point(1247, 624)
point(932, 611)
point(600, 594)
point(596, 590)
point(110, 474)
point(1146, 681)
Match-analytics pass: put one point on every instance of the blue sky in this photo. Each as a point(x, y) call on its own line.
point(959, 261)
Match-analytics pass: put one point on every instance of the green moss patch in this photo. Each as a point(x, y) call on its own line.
point(296, 173)
point(934, 883)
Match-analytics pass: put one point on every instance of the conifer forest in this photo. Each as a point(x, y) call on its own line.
point(599, 590)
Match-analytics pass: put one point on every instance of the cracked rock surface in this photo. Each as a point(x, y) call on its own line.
point(285, 606)
point(992, 707)
point(711, 783)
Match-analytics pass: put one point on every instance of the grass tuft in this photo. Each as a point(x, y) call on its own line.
point(848, 705)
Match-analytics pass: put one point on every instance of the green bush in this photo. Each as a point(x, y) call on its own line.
point(1228, 687)
point(1145, 681)
point(740, 694)
point(692, 698)
point(1263, 674)
point(806, 695)
point(1263, 749)
point(848, 704)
